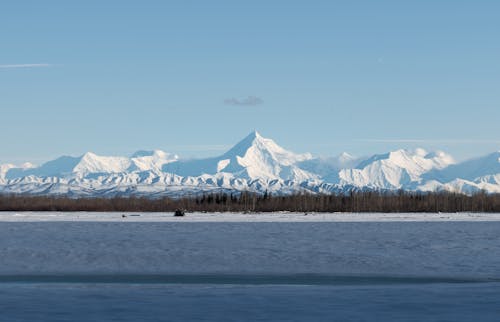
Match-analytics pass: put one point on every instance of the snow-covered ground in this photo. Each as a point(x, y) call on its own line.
point(243, 217)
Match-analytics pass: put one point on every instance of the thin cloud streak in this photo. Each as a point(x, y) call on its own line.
point(12, 66)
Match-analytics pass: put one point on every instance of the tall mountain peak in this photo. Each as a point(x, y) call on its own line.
point(256, 143)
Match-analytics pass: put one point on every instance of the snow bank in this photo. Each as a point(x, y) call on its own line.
point(243, 217)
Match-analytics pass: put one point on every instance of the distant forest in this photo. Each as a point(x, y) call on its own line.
point(250, 202)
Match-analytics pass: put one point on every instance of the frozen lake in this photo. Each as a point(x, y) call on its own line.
point(139, 302)
point(226, 267)
point(187, 246)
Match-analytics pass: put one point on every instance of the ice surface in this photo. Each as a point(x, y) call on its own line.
point(221, 303)
point(258, 267)
point(282, 243)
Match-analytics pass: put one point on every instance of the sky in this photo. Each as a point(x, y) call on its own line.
point(195, 77)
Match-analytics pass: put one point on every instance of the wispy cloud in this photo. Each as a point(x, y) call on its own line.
point(248, 101)
point(12, 66)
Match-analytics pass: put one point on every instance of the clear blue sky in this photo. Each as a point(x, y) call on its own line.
point(194, 77)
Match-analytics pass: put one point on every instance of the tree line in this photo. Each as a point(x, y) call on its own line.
point(250, 202)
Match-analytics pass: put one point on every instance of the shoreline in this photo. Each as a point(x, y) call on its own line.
point(54, 216)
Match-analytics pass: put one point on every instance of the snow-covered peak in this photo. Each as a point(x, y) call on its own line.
point(472, 170)
point(4, 168)
point(27, 165)
point(254, 157)
point(151, 160)
point(255, 145)
point(416, 162)
point(141, 161)
point(421, 152)
point(93, 163)
point(328, 167)
point(395, 169)
point(346, 160)
point(257, 157)
point(345, 157)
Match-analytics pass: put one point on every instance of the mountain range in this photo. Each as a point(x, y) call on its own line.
point(254, 164)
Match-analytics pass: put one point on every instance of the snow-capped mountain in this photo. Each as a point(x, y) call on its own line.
point(328, 168)
point(91, 163)
point(254, 164)
point(253, 158)
point(470, 176)
point(151, 160)
point(4, 168)
point(394, 170)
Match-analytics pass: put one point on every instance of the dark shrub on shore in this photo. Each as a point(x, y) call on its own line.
point(179, 213)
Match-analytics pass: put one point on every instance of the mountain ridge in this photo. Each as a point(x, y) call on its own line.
point(255, 164)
